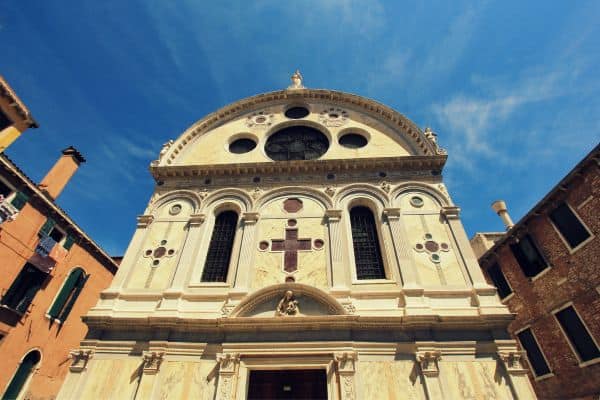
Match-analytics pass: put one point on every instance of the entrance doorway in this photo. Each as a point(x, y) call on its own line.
point(288, 384)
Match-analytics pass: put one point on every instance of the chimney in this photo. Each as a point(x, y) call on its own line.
point(499, 206)
point(56, 179)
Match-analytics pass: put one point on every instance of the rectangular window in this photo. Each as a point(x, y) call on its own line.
point(19, 200)
point(5, 122)
point(528, 256)
point(569, 226)
point(499, 280)
point(577, 333)
point(24, 288)
point(534, 353)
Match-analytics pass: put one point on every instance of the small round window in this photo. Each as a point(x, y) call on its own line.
point(416, 201)
point(241, 146)
point(296, 112)
point(353, 141)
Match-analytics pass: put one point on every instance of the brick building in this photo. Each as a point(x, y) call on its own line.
point(546, 270)
point(52, 271)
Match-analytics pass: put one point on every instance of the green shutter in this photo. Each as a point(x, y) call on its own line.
point(64, 293)
point(18, 381)
point(79, 287)
point(19, 200)
point(69, 241)
point(47, 227)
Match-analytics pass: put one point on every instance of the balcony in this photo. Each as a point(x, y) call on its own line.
point(8, 212)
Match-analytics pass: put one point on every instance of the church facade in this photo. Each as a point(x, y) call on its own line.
point(299, 244)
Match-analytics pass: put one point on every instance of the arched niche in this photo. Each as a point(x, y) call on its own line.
point(311, 301)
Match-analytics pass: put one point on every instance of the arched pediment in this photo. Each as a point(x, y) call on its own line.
point(311, 301)
point(381, 119)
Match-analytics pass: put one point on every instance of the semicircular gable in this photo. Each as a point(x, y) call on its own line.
point(291, 191)
point(415, 187)
point(186, 195)
point(229, 194)
point(312, 301)
point(358, 190)
point(396, 124)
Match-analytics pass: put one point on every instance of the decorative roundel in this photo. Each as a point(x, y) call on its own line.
point(296, 112)
point(416, 201)
point(353, 140)
point(241, 146)
point(297, 142)
point(259, 119)
point(175, 209)
point(333, 117)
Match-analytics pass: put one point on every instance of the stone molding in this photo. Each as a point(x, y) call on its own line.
point(250, 217)
point(450, 212)
point(143, 221)
point(80, 359)
point(197, 219)
point(333, 215)
point(391, 213)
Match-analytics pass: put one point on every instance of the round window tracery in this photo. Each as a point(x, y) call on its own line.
point(241, 146)
point(297, 142)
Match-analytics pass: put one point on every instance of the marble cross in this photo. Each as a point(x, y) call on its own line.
point(290, 246)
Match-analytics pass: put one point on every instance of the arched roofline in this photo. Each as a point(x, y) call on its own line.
point(177, 194)
point(251, 301)
point(413, 136)
point(440, 197)
point(238, 194)
point(294, 191)
point(358, 188)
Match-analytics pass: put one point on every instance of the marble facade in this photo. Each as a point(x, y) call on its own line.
point(431, 328)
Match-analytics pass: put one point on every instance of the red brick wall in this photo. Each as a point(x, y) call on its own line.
point(573, 277)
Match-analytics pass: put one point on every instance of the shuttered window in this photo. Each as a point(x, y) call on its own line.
point(367, 252)
point(24, 371)
point(66, 298)
point(19, 200)
point(577, 334)
point(496, 275)
point(24, 288)
point(569, 225)
point(528, 256)
point(534, 353)
point(220, 247)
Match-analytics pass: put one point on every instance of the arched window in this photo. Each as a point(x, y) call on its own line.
point(219, 250)
point(64, 301)
point(367, 252)
point(24, 372)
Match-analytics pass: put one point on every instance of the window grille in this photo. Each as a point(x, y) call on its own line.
point(219, 250)
point(367, 252)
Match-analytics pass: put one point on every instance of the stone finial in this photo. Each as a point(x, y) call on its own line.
point(296, 81)
point(432, 137)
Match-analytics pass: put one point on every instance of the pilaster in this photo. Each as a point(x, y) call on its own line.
point(406, 264)
point(132, 253)
point(247, 251)
point(228, 369)
point(149, 379)
point(427, 358)
point(510, 357)
point(189, 250)
point(345, 365)
point(340, 276)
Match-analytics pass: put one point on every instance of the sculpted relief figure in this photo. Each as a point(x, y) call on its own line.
point(288, 305)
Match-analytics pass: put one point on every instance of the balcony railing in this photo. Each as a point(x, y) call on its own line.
point(45, 246)
point(8, 212)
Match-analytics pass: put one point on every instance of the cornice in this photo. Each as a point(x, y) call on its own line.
point(414, 163)
point(14, 101)
point(396, 120)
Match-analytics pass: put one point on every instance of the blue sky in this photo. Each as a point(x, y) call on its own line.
point(511, 88)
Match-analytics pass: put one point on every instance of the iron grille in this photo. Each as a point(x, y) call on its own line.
point(219, 250)
point(367, 253)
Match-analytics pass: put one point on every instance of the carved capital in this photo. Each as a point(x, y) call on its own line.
point(228, 362)
point(428, 361)
point(143, 221)
point(197, 219)
point(333, 215)
point(80, 359)
point(450, 212)
point(345, 361)
point(512, 361)
point(152, 361)
point(391, 213)
point(250, 217)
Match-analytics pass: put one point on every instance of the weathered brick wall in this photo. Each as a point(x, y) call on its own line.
point(573, 277)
